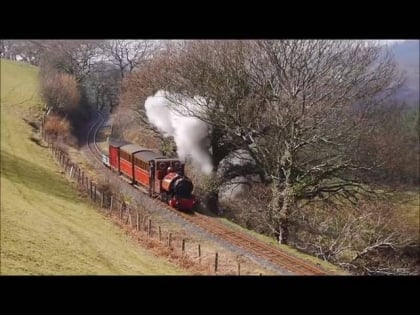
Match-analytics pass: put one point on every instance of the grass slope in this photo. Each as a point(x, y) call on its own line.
point(46, 227)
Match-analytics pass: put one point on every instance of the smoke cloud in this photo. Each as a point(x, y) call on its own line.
point(190, 133)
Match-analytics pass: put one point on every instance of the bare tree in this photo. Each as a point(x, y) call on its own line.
point(60, 93)
point(29, 51)
point(299, 106)
point(103, 85)
point(128, 55)
point(212, 76)
point(317, 99)
point(3, 46)
point(8, 49)
point(74, 57)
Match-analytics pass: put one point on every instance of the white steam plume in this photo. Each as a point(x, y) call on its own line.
point(190, 133)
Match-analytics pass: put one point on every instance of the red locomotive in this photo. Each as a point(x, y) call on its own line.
point(159, 176)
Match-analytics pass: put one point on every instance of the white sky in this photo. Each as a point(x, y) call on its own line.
point(391, 41)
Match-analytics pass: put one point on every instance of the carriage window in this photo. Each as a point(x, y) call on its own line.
point(143, 165)
point(125, 156)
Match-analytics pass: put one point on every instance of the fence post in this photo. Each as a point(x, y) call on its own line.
point(137, 220)
point(94, 193)
point(149, 228)
point(102, 199)
point(71, 172)
point(216, 258)
point(239, 268)
point(143, 225)
point(183, 246)
point(128, 216)
point(110, 206)
point(199, 253)
point(160, 234)
point(169, 239)
point(121, 207)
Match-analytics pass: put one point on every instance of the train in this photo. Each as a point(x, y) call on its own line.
point(158, 176)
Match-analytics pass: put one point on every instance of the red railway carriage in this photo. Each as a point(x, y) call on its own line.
point(126, 161)
point(114, 153)
point(144, 169)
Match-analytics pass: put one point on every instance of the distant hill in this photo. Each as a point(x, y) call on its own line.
point(407, 56)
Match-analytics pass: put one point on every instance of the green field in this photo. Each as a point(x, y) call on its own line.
point(46, 226)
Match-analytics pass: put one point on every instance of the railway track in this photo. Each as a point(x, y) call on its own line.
point(258, 248)
point(91, 137)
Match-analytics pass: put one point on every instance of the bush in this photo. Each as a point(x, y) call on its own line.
point(59, 129)
point(60, 92)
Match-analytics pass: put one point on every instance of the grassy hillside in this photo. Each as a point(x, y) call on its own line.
point(46, 227)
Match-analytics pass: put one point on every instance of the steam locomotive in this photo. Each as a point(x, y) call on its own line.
point(157, 175)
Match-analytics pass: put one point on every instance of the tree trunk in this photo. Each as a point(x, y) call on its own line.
point(288, 200)
point(218, 154)
point(281, 203)
point(212, 202)
point(287, 196)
